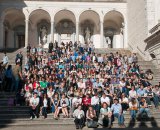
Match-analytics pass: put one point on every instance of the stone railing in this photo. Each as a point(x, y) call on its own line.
point(84, 0)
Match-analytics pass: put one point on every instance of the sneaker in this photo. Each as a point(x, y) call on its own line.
point(31, 118)
point(35, 117)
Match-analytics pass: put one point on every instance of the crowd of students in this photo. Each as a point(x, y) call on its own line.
point(72, 79)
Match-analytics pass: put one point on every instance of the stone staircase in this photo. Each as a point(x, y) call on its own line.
point(18, 116)
point(12, 55)
point(145, 65)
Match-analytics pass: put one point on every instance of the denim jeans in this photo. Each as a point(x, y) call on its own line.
point(156, 101)
point(141, 110)
point(120, 118)
point(133, 114)
point(15, 84)
point(44, 111)
point(96, 108)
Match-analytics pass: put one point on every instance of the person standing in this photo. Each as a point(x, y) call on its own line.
point(19, 58)
point(50, 47)
point(28, 49)
point(17, 75)
point(5, 60)
point(8, 78)
point(45, 105)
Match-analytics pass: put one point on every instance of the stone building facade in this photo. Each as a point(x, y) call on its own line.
point(24, 22)
point(123, 23)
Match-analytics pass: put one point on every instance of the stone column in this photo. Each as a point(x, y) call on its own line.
point(52, 31)
point(102, 35)
point(1, 34)
point(26, 32)
point(77, 31)
point(124, 35)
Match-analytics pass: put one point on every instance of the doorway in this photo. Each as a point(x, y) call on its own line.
point(21, 41)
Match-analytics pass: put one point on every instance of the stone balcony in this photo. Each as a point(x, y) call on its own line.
point(83, 0)
point(153, 44)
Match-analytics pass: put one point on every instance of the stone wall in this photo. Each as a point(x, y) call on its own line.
point(137, 25)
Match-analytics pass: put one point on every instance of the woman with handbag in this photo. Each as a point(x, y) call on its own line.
point(91, 117)
point(133, 106)
point(105, 115)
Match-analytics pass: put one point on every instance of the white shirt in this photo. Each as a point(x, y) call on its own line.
point(130, 60)
point(81, 85)
point(94, 100)
point(5, 59)
point(132, 94)
point(100, 59)
point(106, 100)
point(50, 94)
point(124, 100)
point(131, 105)
point(76, 101)
point(45, 102)
point(34, 101)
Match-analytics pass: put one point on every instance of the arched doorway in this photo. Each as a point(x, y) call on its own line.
point(113, 30)
point(14, 28)
point(19, 36)
point(90, 27)
point(39, 28)
point(65, 26)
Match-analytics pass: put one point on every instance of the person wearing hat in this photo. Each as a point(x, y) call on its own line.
point(116, 109)
point(34, 104)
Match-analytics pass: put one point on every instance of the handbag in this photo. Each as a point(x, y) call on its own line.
point(91, 124)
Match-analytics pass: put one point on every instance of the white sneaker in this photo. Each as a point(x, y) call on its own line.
point(31, 118)
point(124, 112)
point(35, 117)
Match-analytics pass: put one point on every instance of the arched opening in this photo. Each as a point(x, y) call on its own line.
point(114, 30)
point(65, 26)
point(90, 27)
point(14, 28)
point(39, 28)
point(153, 56)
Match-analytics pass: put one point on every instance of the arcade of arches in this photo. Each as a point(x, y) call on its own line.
point(42, 28)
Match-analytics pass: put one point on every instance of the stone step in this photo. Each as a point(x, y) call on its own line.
point(25, 114)
point(71, 124)
point(145, 62)
point(26, 111)
point(11, 108)
point(153, 70)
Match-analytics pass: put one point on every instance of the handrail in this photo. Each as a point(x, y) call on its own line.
point(140, 51)
point(130, 46)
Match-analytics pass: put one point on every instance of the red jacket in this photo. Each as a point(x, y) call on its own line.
point(86, 101)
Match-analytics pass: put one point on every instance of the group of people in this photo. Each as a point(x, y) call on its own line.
point(72, 79)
